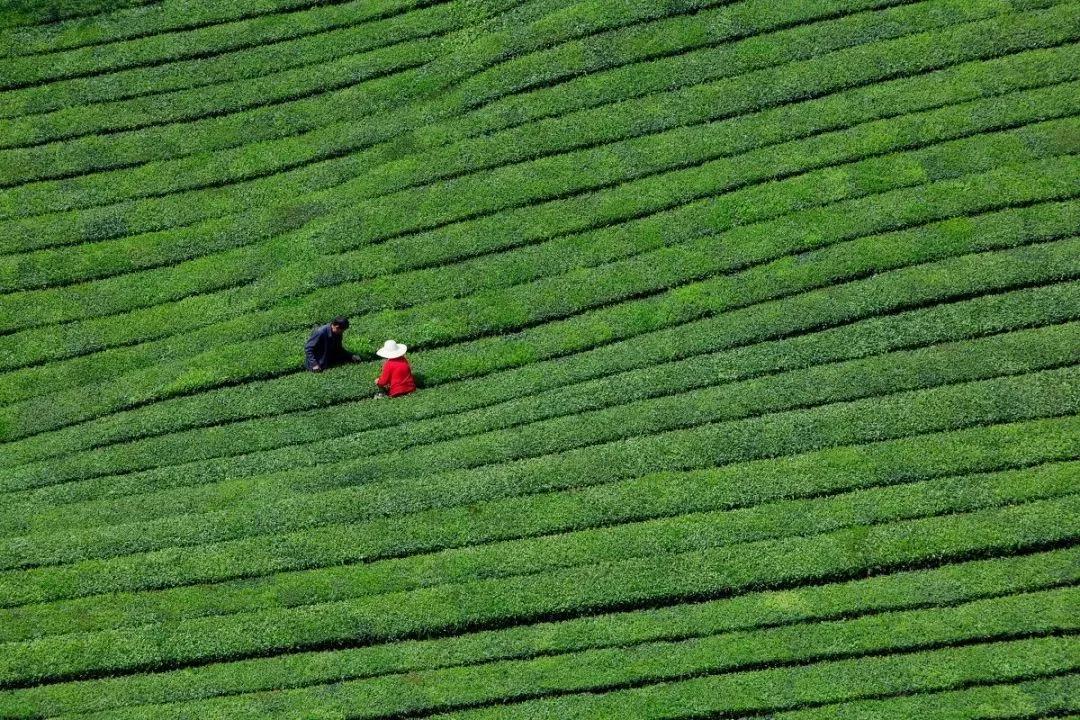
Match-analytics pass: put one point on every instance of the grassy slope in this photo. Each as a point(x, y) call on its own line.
point(749, 334)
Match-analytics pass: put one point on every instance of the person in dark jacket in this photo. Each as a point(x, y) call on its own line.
point(324, 348)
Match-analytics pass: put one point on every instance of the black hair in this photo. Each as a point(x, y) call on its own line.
point(341, 321)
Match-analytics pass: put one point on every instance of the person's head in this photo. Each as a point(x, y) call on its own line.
point(339, 325)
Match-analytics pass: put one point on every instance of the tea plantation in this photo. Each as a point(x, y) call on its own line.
point(748, 334)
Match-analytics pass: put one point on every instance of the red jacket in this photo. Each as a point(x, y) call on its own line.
point(397, 375)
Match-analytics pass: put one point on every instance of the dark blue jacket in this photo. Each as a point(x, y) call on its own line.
point(324, 349)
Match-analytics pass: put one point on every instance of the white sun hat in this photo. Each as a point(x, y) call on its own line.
point(391, 350)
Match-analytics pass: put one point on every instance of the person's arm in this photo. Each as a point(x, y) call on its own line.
point(346, 355)
point(311, 346)
point(384, 378)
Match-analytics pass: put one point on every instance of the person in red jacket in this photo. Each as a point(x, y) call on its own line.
point(396, 378)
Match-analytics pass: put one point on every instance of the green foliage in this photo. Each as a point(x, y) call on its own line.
point(950, 407)
point(551, 541)
point(943, 586)
point(166, 17)
point(747, 335)
point(31, 13)
point(620, 373)
point(458, 606)
point(500, 311)
point(777, 689)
